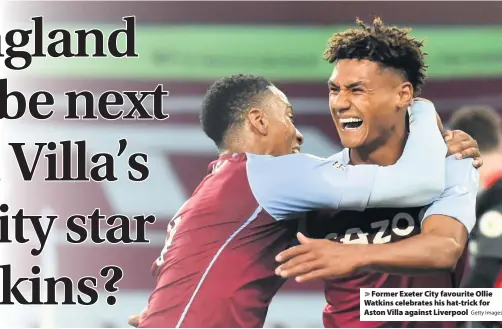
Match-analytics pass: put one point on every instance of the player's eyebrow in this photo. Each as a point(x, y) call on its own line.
point(354, 84)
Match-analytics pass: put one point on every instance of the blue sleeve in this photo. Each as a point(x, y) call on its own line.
point(459, 197)
point(296, 183)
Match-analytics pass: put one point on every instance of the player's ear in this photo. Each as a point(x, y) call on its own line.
point(258, 120)
point(405, 95)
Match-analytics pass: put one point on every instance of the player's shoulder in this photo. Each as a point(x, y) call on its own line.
point(461, 172)
point(454, 165)
point(224, 160)
point(341, 157)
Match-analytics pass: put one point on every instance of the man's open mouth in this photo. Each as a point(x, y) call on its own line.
point(351, 123)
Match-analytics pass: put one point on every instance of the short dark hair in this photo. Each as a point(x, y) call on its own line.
point(390, 46)
point(227, 100)
point(483, 123)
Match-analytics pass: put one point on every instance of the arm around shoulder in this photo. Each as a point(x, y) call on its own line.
point(418, 177)
point(297, 183)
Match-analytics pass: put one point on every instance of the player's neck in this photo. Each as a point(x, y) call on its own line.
point(381, 153)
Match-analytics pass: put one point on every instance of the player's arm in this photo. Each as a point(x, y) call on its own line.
point(297, 183)
point(437, 248)
point(445, 229)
